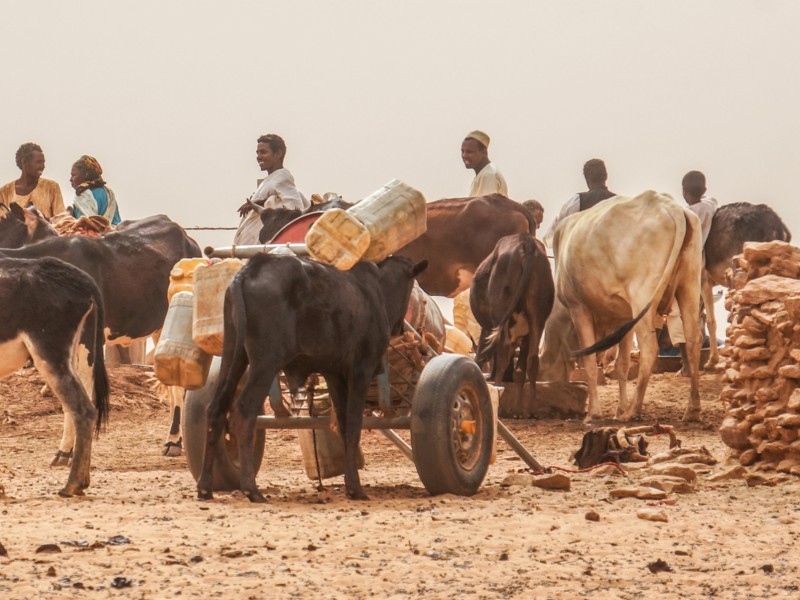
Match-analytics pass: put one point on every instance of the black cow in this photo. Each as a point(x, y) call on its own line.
point(511, 297)
point(53, 313)
point(20, 227)
point(131, 266)
point(275, 219)
point(302, 317)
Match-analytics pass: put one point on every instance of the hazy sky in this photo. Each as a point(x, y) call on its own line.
point(171, 96)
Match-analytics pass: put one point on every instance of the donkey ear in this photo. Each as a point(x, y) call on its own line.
point(17, 211)
point(419, 267)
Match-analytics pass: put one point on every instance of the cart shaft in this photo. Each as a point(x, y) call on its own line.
point(270, 422)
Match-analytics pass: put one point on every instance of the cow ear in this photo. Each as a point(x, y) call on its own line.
point(419, 267)
point(17, 211)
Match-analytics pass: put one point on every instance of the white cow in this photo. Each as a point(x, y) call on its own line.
point(624, 258)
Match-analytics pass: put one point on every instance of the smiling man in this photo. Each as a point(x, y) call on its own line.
point(31, 187)
point(276, 190)
point(475, 154)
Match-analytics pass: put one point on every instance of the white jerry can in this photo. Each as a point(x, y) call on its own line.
point(177, 359)
point(210, 283)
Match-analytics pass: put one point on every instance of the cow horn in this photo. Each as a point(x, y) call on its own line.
point(255, 207)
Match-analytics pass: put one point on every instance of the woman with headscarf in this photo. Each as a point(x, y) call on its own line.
point(92, 196)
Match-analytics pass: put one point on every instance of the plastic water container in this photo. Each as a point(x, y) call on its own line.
point(210, 283)
point(177, 359)
point(394, 215)
point(456, 341)
point(181, 278)
point(423, 312)
point(338, 239)
point(329, 447)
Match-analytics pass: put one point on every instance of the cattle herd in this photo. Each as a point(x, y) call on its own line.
point(619, 266)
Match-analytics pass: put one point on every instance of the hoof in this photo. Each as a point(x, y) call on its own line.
point(692, 416)
point(69, 493)
point(61, 459)
point(592, 419)
point(357, 495)
point(204, 494)
point(173, 449)
point(256, 497)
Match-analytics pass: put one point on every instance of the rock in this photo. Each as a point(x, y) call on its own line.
point(748, 341)
point(556, 481)
point(794, 401)
point(606, 470)
point(768, 287)
point(3, 551)
point(733, 436)
point(668, 484)
point(753, 354)
point(788, 465)
point(674, 470)
point(789, 420)
point(592, 516)
point(517, 479)
point(652, 514)
point(755, 479)
point(640, 492)
point(684, 456)
point(735, 472)
point(748, 457)
point(790, 371)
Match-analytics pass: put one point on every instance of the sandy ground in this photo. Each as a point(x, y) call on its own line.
point(725, 540)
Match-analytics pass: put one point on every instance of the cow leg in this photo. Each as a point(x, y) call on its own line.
point(584, 327)
point(64, 453)
point(245, 411)
point(80, 412)
point(648, 353)
point(690, 317)
point(217, 412)
point(174, 443)
point(707, 293)
point(358, 383)
point(527, 369)
point(621, 366)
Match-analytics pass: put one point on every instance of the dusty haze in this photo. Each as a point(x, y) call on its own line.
point(171, 99)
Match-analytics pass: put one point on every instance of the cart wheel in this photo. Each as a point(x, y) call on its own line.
point(226, 462)
point(452, 433)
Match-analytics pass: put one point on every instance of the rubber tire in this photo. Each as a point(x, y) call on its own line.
point(435, 457)
point(226, 474)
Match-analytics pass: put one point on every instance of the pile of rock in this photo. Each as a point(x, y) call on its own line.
point(762, 423)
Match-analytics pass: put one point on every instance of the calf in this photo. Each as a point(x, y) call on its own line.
point(54, 315)
point(302, 317)
point(511, 297)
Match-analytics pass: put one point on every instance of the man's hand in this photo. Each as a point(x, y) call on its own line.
point(246, 208)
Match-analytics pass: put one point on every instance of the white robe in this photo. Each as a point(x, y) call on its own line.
point(278, 191)
point(488, 181)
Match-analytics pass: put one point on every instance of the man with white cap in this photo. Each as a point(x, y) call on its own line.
point(488, 180)
point(475, 154)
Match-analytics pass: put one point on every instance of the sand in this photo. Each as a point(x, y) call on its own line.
point(725, 540)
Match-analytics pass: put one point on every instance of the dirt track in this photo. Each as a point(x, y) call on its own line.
point(726, 540)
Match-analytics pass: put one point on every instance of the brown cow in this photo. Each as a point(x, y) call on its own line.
point(461, 233)
point(511, 297)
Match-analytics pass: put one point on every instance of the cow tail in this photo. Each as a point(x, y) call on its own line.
point(238, 317)
point(612, 339)
point(99, 373)
point(528, 255)
point(662, 289)
point(528, 216)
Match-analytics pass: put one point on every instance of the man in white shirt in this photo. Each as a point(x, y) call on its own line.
point(595, 174)
point(276, 190)
point(475, 154)
point(488, 180)
point(694, 190)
